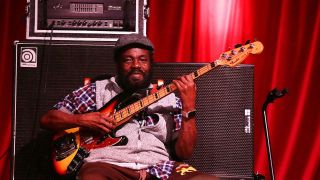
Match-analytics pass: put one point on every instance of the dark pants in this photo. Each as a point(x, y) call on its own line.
point(105, 171)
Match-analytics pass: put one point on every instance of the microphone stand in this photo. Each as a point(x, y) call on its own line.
point(274, 94)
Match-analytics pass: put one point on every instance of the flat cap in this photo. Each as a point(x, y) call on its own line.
point(129, 40)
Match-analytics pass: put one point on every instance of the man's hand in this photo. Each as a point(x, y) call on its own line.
point(187, 89)
point(97, 121)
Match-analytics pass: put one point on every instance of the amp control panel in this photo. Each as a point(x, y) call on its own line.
point(85, 24)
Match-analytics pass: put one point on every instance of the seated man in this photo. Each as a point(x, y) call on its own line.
point(164, 129)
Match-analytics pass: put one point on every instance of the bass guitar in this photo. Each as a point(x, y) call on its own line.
point(71, 146)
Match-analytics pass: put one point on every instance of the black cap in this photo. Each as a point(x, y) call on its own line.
point(130, 40)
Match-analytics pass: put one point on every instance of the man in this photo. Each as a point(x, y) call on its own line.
point(165, 129)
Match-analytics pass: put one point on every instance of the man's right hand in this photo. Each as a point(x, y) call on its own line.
point(96, 121)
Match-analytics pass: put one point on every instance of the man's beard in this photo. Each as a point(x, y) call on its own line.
point(130, 85)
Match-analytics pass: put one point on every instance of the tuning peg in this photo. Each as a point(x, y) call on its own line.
point(247, 42)
point(233, 52)
point(237, 45)
point(251, 45)
point(224, 56)
point(242, 49)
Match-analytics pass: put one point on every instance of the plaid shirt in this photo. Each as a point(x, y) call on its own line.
point(83, 100)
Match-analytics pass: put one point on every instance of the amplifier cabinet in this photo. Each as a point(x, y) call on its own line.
point(224, 118)
point(46, 72)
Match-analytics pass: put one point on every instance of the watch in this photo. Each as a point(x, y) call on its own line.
point(189, 114)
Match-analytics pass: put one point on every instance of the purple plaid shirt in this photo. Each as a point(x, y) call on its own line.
point(83, 100)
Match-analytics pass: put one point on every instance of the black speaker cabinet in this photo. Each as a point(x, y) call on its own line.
point(45, 72)
point(224, 118)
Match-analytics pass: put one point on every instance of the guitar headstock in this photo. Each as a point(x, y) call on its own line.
point(236, 56)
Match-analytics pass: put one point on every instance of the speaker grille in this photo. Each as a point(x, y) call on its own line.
point(223, 95)
point(223, 147)
point(56, 69)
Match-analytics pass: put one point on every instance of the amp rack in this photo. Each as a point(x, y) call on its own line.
point(85, 20)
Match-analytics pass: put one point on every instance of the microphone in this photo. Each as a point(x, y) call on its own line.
point(276, 93)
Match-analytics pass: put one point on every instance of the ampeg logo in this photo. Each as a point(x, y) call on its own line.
point(28, 57)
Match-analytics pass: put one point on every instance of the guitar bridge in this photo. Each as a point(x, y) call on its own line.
point(64, 146)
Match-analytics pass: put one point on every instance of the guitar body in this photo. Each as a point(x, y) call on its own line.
point(70, 143)
point(71, 146)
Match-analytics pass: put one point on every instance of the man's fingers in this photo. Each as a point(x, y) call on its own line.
point(108, 117)
point(107, 122)
point(179, 84)
point(105, 129)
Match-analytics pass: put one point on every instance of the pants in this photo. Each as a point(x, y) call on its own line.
point(105, 171)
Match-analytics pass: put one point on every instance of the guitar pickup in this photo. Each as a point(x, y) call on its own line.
point(64, 146)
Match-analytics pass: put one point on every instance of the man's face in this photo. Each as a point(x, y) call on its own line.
point(134, 69)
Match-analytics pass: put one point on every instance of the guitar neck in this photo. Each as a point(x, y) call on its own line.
point(122, 115)
point(203, 70)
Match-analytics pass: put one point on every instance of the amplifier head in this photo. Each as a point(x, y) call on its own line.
point(85, 20)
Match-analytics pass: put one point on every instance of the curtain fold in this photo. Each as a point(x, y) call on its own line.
point(198, 31)
point(12, 16)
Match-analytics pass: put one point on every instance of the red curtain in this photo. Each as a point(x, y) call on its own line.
point(198, 31)
point(12, 27)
